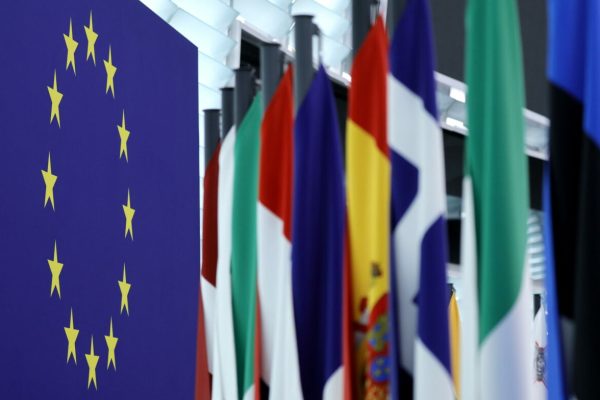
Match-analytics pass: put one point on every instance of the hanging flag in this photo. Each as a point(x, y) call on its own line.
point(574, 73)
point(554, 358)
point(208, 279)
point(454, 320)
point(497, 168)
point(243, 245)
point(99, 203)
point(317, 242)
point(419, 235)
point(368, 192)
point(203, 377)
point(540, 344)
point(279, 365)
point(224, 383)
point(469, 330)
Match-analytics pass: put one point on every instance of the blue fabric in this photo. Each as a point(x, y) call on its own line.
point(412, 53)
point(405, 185)
point(555, 371)
point(592, 72)
point(566, 38)
point(573, 62)
point(156, 85)
point(318, 237)
point(433, 293)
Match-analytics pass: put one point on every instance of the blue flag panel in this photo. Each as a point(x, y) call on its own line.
point(99, 202)
point(317, 238)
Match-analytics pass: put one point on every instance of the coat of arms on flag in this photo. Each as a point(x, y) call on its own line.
point(99, 205)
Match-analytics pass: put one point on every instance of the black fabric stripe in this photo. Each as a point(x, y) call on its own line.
point(405, 385)
point(264, 390)
point(587, 296)
point(575, 174)
point(566, 134)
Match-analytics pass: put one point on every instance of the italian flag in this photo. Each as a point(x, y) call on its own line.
point(496, 198)
point(279, 357)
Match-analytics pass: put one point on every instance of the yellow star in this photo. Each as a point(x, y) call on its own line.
point(49, 181)
point(55, 269)
point(71, 47)
point(111, 70)
point(124, 286)
point(92, 362)
point(71, 333)
point(55, 98)
point(91, 38)
point(124, 135)
point(111, 343)
point(129, 212)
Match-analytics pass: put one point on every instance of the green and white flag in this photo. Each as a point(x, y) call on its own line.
point(243, 245)
point(497, 171)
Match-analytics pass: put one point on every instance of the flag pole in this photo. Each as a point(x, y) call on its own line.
point(394, 9)
point(361, 22)
point(211, 133)
point(226, 110)
point(270, 71)
point(243, 94)
point(303, 66)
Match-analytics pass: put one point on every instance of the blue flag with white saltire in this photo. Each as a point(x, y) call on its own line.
point(317, 242)
point(99, 204)
point(419, 293)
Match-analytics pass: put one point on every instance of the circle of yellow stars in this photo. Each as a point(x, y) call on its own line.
point(50, 179)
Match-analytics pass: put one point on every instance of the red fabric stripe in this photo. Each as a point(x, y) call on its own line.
point(276, 158)
point(367, 103)
point(209, 219)
point(209, 270)
point(203, 379)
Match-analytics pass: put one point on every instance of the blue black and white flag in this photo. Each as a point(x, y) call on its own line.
point(574, 75)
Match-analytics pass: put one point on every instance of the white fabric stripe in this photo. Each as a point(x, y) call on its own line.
point(209, 293)
point(334, 387)
point(506, 371)
point(249, 395)
point(416, 136)
point(280, 368)
point(432, 380)
point(540, 337)
point(224, 375)
point(469, 331)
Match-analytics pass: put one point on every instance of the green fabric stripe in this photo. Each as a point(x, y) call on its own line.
point(243, 250)
point(495, 154)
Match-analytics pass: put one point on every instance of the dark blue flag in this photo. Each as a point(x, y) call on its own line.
point(318, 241)
point(99, 202)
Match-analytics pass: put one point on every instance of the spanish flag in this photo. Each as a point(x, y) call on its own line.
point(368, 193)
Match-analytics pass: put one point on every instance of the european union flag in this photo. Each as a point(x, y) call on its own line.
point(99, 202)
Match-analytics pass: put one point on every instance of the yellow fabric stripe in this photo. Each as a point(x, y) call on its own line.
point(368, 188)
point(454, 319)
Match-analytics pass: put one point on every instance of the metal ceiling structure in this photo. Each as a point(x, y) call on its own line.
point(215, 27)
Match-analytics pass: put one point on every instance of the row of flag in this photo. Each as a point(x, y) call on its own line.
point(325, 280)
point(323, 269)
point(306, 270)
